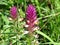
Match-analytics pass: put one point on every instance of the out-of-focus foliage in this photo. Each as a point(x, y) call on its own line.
point(48, 14)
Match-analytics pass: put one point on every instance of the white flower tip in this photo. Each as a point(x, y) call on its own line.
point(26, 32)
point(26, 26)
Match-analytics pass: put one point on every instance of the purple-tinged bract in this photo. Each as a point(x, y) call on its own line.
point(13, 12)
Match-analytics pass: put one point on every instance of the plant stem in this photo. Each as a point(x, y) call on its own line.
point(41, 33)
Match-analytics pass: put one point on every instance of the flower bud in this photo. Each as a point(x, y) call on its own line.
point(13, 12)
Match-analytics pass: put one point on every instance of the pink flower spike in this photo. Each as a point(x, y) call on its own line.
point(13, 12)
point(31, 16)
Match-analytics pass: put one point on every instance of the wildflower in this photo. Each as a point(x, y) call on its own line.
point(31, 17)
point(13, 12)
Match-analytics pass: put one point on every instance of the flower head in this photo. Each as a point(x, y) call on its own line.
point(13, 12)
point(31, 16)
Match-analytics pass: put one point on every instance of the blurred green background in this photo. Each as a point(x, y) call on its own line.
point(48, 12)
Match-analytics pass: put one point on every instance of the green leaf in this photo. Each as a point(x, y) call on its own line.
point(5, 19)
point(3, 2)
point(22, 14)
point(41, 33)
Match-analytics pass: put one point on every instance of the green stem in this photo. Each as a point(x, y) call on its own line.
point(41, 33)
point(38, 8)
point(30, 38)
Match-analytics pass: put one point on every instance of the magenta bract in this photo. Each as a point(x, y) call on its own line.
point(31, 15)
point(13, 12)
